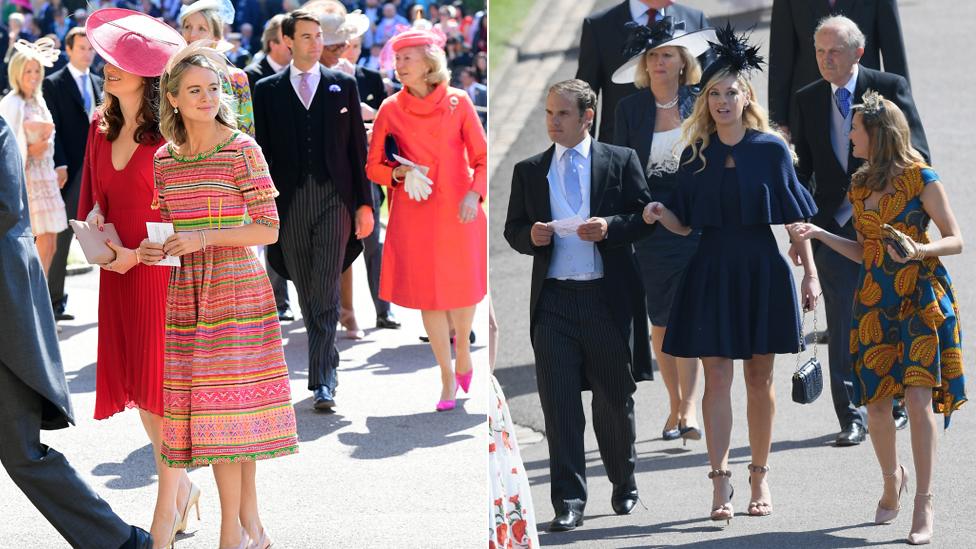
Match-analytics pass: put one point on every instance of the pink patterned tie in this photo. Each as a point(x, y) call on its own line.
point(305, 90)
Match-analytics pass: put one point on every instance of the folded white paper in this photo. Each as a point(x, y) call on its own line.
point(567, 226)
point(158, 233)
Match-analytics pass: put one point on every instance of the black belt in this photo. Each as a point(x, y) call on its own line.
point(574, 284)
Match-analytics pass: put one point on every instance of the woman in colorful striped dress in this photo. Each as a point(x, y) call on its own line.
point(226, 395)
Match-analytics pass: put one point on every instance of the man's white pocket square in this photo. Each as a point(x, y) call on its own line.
point(343, 110)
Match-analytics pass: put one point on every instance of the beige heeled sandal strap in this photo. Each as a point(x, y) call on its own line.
point(719, 473)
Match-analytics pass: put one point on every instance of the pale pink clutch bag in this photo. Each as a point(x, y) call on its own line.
point(93, 241)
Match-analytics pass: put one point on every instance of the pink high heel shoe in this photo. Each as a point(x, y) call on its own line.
point(464, 380)
point(445, 405)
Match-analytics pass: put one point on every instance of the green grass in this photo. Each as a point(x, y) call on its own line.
point(505, 18)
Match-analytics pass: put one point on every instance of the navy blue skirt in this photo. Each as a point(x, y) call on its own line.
point(736, 298)
point(663, 258)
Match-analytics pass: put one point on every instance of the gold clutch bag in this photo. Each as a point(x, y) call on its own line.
point(898, 240)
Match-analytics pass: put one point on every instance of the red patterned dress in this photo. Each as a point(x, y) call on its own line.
point(225, 383)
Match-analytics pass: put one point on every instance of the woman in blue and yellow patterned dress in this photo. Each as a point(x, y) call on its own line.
point(906, 335)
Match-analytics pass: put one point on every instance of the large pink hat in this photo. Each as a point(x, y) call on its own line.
point(418, 37)
point(133, 41)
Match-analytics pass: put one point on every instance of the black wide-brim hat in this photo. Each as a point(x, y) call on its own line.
point(666, 32)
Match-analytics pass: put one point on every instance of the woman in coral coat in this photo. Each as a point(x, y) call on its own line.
point(435, 255)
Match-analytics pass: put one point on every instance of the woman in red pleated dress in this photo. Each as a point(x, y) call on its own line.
point(117, 188)
point(435, 255)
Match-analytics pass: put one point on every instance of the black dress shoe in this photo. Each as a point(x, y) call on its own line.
point(285, 315)
point(322, 398)
point(900, 415)
point(388, 322)
point(138, 539)
point(623, 499)
point(63, 316)
point(471, 338)
point(852, 435)
point(567, 520)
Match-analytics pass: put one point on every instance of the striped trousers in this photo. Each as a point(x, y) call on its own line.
point(313, 242)
point(577, 345)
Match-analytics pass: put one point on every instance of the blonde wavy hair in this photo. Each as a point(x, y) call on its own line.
point(890, 147)
point(197, 54)
point(689, 75)
point(696, 130)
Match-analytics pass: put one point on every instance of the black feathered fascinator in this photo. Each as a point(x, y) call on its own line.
point(732, 53)
point(666, 32)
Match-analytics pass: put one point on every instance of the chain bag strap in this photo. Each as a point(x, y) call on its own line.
point(808, 376)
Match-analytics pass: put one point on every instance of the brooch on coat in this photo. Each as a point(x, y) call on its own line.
point(454, 103)
point(335, 88)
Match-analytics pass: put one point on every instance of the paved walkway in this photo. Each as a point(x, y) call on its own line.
point(824, 497)
point(385, 470)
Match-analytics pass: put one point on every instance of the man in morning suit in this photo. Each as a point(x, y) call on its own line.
point(71, 94)
point(309, 125)
point(793, 62)
point(587, 315)
point(826, 163)
point(33, 391)
point(273, 57)
point(602, 43)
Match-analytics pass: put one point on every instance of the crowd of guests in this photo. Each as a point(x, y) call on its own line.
point(654, 206)
point(285, 159)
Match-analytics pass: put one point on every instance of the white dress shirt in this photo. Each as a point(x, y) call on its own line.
point(274, 66)
point(639, 12)
point(573, 258)
point(314, 75)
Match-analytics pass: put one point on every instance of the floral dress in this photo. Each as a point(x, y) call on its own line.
point(906, 322)
point(226, 395)
point(47, 212)
point(511, 522)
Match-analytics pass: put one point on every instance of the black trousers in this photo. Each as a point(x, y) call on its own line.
point(313, 240)
point(576, 342)
point(373, 256)
point(55, 276)
point(47, 479)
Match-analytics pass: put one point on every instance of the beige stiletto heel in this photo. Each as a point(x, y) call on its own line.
point(725, 511)
point(921, 538)
point(883, 515)
point(192, 501)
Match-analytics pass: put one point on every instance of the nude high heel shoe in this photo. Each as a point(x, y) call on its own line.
point(884, 516)
point(923, 512)
point(725, 511)
point(263, 543)
point(192, 501)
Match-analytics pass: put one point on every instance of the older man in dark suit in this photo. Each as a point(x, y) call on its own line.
point(826, 163)
point(71, 94)
point(308, 122)
point(33, 391)
point(602, 44)
point(589, 329)
point(793, 62)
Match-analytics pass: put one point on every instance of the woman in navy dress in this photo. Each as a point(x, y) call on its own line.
point(737, 299)
point(662, 60)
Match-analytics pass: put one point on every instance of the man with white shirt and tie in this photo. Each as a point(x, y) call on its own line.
point(825, 164)
point(602, 49)
point(588, 322)
point(309, 125)
point(72, 94)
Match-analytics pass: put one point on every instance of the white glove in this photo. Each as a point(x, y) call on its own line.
point(417, 185)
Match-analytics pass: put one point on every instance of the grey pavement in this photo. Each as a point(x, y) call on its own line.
point(385, 470)
point(824, 497)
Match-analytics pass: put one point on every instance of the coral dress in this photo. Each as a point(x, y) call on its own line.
point(906, 322)
point(432, 261)
point(131, 306)
point(225, 388)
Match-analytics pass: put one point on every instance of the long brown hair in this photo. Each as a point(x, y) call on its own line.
point(197, 54)
point(147, 131)
point(890, 147)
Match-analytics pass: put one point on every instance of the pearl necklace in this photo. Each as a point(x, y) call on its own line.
point(667, 105)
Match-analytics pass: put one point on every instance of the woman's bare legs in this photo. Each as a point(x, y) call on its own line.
point(492, 336)
point(249, 500)
point(46, 246)
point(439, 331)
point(922, 421)
point(173, 486)
point(760, 410)
point(717, 421)
point(462, 319)
point(882, 428)
point(347, 314)
point(229, 477)
point(668, 367)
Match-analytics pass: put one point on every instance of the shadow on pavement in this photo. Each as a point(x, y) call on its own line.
point(81, 381)
point(400, 434)
point(405, 359)
point(68, 330)
point(138, 469)
point(815, 538)
point(313, 424)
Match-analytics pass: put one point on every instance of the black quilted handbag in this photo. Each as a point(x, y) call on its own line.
point(808, 377)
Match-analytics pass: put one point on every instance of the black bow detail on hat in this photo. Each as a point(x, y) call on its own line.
point(642, 38)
